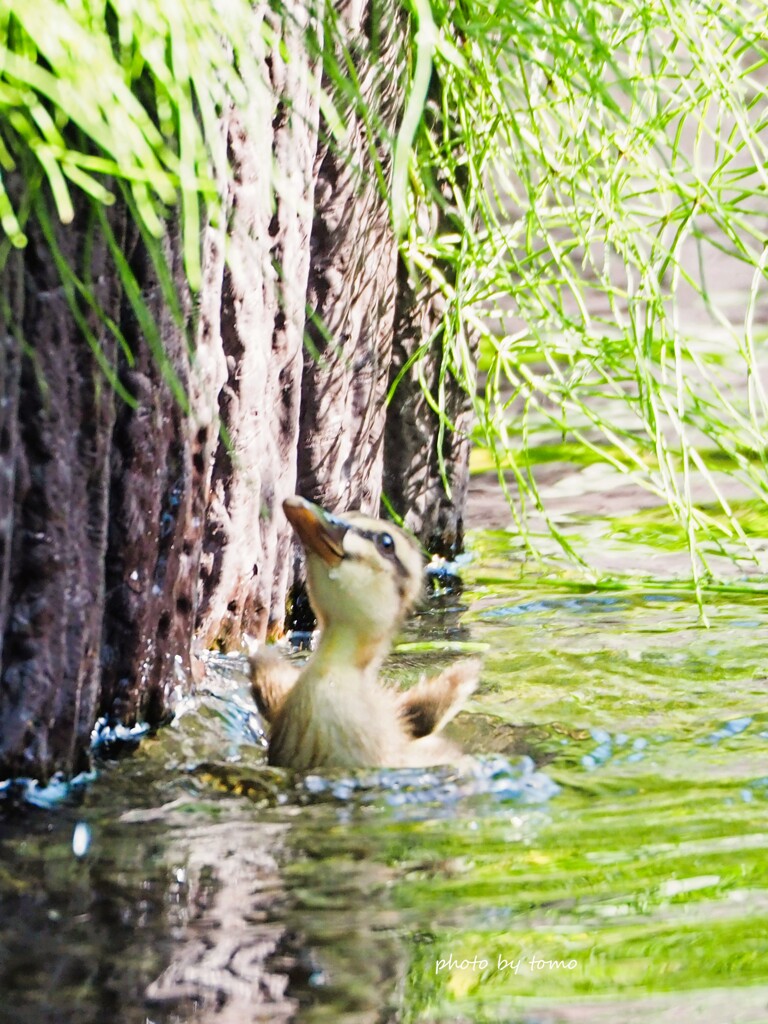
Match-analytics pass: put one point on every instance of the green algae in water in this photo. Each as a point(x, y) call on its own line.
point(640, 887)
point(649, 873)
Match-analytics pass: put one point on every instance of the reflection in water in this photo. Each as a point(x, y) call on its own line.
point(167, 916)
point(229, 893)
point(69, 926)
point(266, 906)
point(190, 882)
point(229, 949)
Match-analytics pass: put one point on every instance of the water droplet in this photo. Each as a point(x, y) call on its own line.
point(81, 839)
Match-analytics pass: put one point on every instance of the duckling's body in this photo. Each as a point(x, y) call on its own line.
point(363, 576)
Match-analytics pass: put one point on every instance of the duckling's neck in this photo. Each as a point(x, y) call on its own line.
point(342, 646)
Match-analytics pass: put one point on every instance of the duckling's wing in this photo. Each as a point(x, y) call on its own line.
point(431, 703)
point(272, 679)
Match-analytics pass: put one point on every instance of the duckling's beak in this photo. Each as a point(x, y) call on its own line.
point(318, 530)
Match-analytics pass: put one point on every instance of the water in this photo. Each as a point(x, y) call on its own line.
point(606, 859)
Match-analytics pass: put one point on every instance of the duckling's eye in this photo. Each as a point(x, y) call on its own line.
point(385, 544)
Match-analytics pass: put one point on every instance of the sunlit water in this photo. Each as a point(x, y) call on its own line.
point(604, 859)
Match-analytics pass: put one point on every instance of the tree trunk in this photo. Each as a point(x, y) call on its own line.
point(352, 281)
point(260, 320)
point(426, 453)
point(126, 527)
point(58, 417)
point(426, 466)
point(155, 501)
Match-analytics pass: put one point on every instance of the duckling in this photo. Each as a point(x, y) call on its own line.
point(363, 577)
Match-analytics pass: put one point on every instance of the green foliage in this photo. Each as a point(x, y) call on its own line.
point(102, 91)
point(582, 178)
point(600, 169)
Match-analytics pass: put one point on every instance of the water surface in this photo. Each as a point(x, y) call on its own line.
point(606, 859)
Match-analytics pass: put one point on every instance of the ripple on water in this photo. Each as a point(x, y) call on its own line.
point(439, 790)
point(363, 880)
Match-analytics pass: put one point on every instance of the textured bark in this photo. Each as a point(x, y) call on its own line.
point(55, 455)
point(98, 501)
point(352, 281)
point(413, 482)
point(155, 497)
point(426, 465)
point(10, 367)
point(122, 529)
point(105, 507)
point(245, 567)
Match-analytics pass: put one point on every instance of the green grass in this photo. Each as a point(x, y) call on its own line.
point(577, 183)
point(599, 157)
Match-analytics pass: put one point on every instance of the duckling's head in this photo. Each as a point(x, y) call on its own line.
point(363, 574)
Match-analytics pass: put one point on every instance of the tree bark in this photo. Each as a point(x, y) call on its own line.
point(352, 281)
point(55, 456)
point(426, 453)
point(126, 528)
point(426, 467)
point(245, 568)
point(155, 500)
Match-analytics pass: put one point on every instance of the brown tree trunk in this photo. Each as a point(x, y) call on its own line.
point(426, 467)
point(125, 527)
point(155, 500)
point(99, 558)
point(426, 453)
point(352, 281)
point(260, 320)
point(56, 478)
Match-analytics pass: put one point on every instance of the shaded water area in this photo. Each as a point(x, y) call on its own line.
point(605, 859)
